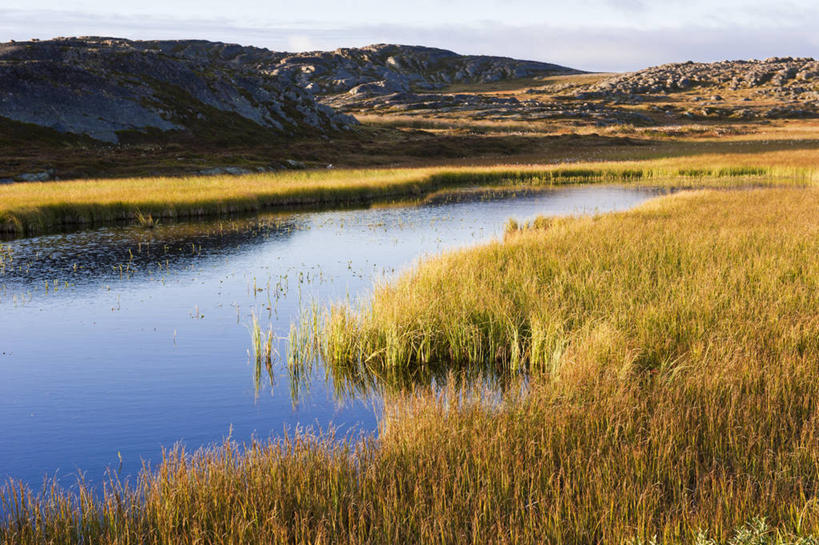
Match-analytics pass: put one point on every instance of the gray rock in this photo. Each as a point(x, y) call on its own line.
point(782, 80)
point(101, 87)
point(670, 77)
point(42, 176)
point(399, 68)
point(216, 171)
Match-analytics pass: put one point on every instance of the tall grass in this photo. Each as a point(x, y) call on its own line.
point(673, 355)
point(672, 397)
point(38, 207)
point(519, 304)
point(261, 343)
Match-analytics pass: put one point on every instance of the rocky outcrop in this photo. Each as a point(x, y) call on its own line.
point(776, 76)
point(480, 106)
point(107, 87)
point(104, 87)
point(385, 69)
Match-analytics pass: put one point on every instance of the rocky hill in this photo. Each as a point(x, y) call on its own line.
point(673, 93)
point(779, 76)
point(774, 87)
point(106, 88)
point(384, 69)
point(374, 69)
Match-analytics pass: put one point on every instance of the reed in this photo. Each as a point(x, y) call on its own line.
point(146, 221)
point(263, 352)
point(511, 305)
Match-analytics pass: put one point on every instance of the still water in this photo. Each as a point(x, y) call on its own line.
point(116, 342)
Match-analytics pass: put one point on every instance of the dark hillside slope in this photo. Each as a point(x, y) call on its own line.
point(105, 88)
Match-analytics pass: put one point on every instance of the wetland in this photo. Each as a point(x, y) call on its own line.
point(119, 341)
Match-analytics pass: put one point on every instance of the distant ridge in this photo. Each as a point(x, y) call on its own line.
point(392, 68)
point(107, 88)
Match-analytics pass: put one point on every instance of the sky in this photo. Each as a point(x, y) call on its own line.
point(596, 35)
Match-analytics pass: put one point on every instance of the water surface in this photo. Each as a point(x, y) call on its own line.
point(119, 341)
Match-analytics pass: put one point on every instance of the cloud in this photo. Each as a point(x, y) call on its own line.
point(301, 42)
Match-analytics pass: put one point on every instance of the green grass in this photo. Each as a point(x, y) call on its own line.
point(32, 208)
point(672, 397)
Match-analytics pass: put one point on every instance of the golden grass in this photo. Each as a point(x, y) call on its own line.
point(673, 353)
point(37, 207)
point(504, 290)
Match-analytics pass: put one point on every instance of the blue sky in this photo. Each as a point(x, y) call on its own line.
point(590, 34)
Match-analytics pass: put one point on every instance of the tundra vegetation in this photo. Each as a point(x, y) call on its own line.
point(643, 377)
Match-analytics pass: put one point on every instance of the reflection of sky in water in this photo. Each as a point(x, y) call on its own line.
point(156, 353)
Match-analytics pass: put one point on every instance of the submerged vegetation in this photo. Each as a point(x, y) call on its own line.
point(263, 351)
point(666, 362)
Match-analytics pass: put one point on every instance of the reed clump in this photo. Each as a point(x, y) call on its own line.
point(146, 221)
point(645, 276)
point(263, 352)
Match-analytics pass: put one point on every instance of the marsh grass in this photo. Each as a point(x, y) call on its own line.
point(29, 208)
point(513, 305)
point(146, 221)
point(663, 369)
point(263, 352)
point(6, 258)
point(672, 354)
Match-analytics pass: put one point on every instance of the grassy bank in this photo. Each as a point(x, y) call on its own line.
point(30, 208)
point(516, 305)
point(673, 352)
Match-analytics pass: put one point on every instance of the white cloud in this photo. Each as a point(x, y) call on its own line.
point(300, 42)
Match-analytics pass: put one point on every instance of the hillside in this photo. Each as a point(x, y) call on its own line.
point(385, 68)
point(770, 88)
point(106, 88)
point(775, 88)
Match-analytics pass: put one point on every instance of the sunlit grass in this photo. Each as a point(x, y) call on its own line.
point(672, 355)
point(516, 304)
point(36, 207)
point(263, 352)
